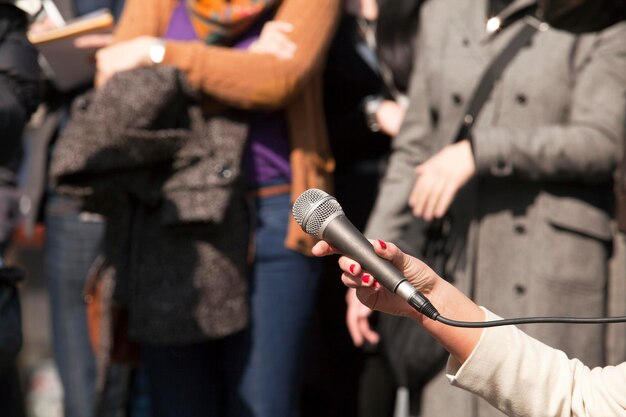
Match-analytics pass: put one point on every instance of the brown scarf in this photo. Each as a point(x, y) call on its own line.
point(219, 21)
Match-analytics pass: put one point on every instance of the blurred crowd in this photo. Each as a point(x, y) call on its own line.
point(482, 136)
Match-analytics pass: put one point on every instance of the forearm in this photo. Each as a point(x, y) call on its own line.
point(453, 304)
point(520, 375)
point(234, 76)
point(585, 152)
point(248, 80)
point(517, 374)
point(227, 75)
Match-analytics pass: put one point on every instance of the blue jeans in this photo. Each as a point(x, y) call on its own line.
point(71, 246)
point(73, 242)
point(283, 286)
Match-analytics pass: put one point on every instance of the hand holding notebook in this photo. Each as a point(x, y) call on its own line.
point(68, 52)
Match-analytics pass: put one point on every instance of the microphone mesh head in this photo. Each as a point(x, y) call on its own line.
point(312, 208)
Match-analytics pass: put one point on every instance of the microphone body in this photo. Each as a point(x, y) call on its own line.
point(325, 219)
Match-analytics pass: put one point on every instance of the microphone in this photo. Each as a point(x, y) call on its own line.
point(319, 214)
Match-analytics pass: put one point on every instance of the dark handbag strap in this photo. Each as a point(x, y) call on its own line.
point(493, 72)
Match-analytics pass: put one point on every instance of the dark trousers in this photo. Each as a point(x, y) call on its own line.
point(186, 380)
point(11, 401)
point(11, 398)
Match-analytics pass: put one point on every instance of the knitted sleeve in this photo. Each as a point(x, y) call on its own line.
point(236, 77)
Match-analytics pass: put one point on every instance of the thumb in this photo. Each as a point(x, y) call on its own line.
point(391, 252)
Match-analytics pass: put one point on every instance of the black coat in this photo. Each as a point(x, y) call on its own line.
point(19, 74)
point(167, 178)
point(19, 96)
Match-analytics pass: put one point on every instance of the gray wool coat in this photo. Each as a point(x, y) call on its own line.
point(545, 144)
point(167, 177)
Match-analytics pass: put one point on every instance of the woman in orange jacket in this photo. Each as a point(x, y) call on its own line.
point(230, 53)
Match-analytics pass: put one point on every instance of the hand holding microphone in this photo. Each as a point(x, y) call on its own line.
point(320, 215)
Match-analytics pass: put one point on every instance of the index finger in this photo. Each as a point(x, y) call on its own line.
point(93, 41)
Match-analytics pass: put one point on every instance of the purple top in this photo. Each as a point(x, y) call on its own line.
point(180, 27)
point(266, 157)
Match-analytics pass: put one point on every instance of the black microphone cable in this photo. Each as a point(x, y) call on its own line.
point(531, 320)
point(424, 306)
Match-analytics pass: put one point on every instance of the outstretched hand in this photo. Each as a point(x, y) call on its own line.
point(370, 292)
point(450, 302)
point(357, 320)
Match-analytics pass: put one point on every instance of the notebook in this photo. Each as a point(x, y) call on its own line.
point(67, 66)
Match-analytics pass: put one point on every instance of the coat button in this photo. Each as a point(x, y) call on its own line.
point(519, 289)
point(501, 168)
point(457, 99)
point(521, 99)
point(225, 171)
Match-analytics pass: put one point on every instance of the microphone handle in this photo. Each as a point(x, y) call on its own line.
point(346, 238)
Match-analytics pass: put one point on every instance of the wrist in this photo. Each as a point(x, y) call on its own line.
point(370, 106)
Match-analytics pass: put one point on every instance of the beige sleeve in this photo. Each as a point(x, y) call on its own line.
point(521, 376)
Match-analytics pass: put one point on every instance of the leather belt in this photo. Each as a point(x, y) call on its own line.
point(270, 191)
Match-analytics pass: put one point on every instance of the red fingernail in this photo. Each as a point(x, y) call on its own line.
point(352, 268)
point(365, 278)
point(382, 244)
point(376, 284)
